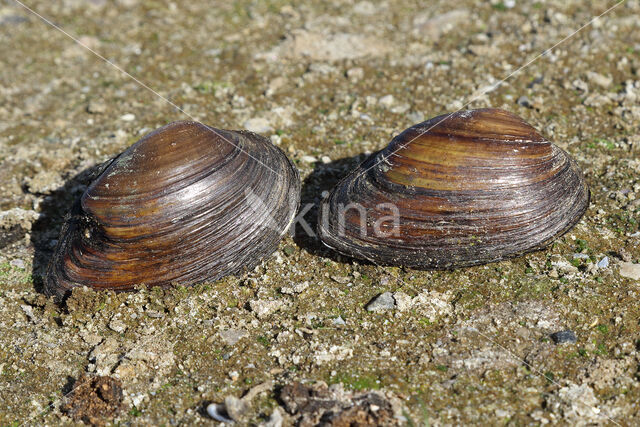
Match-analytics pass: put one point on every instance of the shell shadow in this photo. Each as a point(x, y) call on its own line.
point(53, 211)
point(323, 178)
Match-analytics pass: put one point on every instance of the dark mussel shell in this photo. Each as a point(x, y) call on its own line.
point(185, 204)
point(457, 190)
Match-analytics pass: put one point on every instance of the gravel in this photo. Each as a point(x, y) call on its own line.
point(319, 77)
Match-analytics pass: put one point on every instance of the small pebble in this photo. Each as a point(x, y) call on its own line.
point(355, 74)
point(295, 288)
point(326, 159)
point(525, 102)
point(96, 107)
point(382, 302)
point(403, 301)
point(128, 117)
point(339, 321)
point(308, 159)
point(340, 279)
point(564, 337)
point(535, 81)
point(117, 325)
point(604, 262)
point(235, 407)
point(275, 420)
point(232, 336)
point(580, 256)
point(415, 117)
point(387, 101)
point(274, 85)
point(263, 308)
point(218, 413)
point(258, 125)
point(599, 79)
point(17, 263)
point(154, 314)
point(400, 109)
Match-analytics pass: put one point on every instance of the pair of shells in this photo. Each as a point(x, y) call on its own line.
point(189, 203)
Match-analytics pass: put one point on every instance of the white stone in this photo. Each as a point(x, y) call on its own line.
point(263, 308)
point(117, 325)
point(630, 270)
point(355, 74)
point(403, 301)
point(258, 125)
point(295, 288)
point(432, 304)
point(364, 8)
point(604, 262)
point(232, 336)
point(335, 352)
point(275, 85)
point(339, 321)
point(275, 420)
point(599, 79)
point(382, 302)
point(387, 101)
point(18, 263)
point(218, 413)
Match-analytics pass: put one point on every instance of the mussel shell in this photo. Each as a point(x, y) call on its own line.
point(470, 188)
point(185, 204)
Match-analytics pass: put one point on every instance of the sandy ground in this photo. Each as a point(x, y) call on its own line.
point(328, 82)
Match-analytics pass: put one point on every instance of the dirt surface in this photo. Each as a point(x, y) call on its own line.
point(328, 82)
point(94, 400)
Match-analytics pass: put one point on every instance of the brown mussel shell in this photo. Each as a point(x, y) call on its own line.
point(185, 204)
point(457, 190)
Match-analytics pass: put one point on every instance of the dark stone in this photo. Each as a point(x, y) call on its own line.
point(524, 101)
point(535, 81)
point(564, 337)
